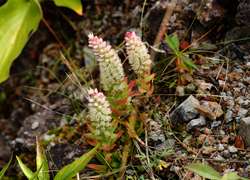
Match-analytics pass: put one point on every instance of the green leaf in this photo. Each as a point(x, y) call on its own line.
point(75, 5)
point(204, 170)
point(19, 19)
point(186, 60)
point(28, 173)
point(72, 169)
point(38, 171)
point(232, 176)
point(41, 161)
point(170, 42)
point(176, 42)
point(5, 168)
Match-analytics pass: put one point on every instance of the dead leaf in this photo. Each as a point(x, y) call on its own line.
point(238, 143)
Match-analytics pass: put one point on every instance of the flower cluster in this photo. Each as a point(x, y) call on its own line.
point(137, 54)
point(111, 70)
point(99, 112)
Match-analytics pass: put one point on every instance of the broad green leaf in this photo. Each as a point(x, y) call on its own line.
point(41, 161)
point(232, 176)
point(72, 169)
point(186, 60)
point(36, 174)
point(170, 42)
point(75, 5)
point(5, 168)
point(28, 173)
point(204, 170)
point(19, 19)
point(176, 42)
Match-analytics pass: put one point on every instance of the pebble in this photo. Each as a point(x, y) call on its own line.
point(228, 171)
point(165, 145)
point(35, 125)
point(242, 112)
point(244, 130)
point(220, 147)
point(185, 111)
point(208, 131)
point(201, 138)
point(208, 150)
point(210, 141)
point(201, 121)
point(215, 124)
point(219, 157)
point(232, 149)
point(229, 116)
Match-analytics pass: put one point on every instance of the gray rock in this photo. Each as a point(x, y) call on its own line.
point(180, 91)
point(185, 111)
point(244, 130)
point(229, 115)
point(215, 124)
point(35, 125)
point(232, 149)
point(156, 136)
point(238, 70)
point(242, 112)
point(201, 121)
point(219, 157)
point(190, 88)
point(165, 145)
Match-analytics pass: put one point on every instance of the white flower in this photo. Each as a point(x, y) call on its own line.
point(137, 54)
point(111, 70)
point(99, 112)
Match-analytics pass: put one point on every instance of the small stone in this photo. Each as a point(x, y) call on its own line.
point(187, 140)
point(244, 130)
point(225, 154)
point(215, 124)
point(232, 149)
point(219, 157)
point(220, 147)
point(201, 121)
point(180, 91)
point(190, 88)
point(185, 111)
point(229, 116)
point(208, 131)
point(208, 150)
point(238, 70)
point(205, 112)
point(210, 141)
point(222, 132)
point(201, 138)
point(35, 125)
point(165, 145)
point(242, 112)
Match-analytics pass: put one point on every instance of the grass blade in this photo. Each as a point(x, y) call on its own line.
point(28, 173)
point(5, 168)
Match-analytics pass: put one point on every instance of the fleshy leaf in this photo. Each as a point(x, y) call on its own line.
point(204, 170)
point(18, 21)
point(28, 173)
point(75, 5)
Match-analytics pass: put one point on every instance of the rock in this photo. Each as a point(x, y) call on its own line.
point(165, 145)
point(232, 149)
point(244, 12)
point(185, 111)
point(201, 138)
point(215, 124)
point(208, 131)
point(35, 125)
point(219, 157)
point(187, 140)
point(64, 154)
point(244, 130)
point(209, 141)
point(229, 115)
point(242, 112)
point(201, 121)
point(228, 171)
point(209, 109)
point(180, 91)
point(209, 12)
point(220, 147)
point(208, 150)
point(190, 88)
